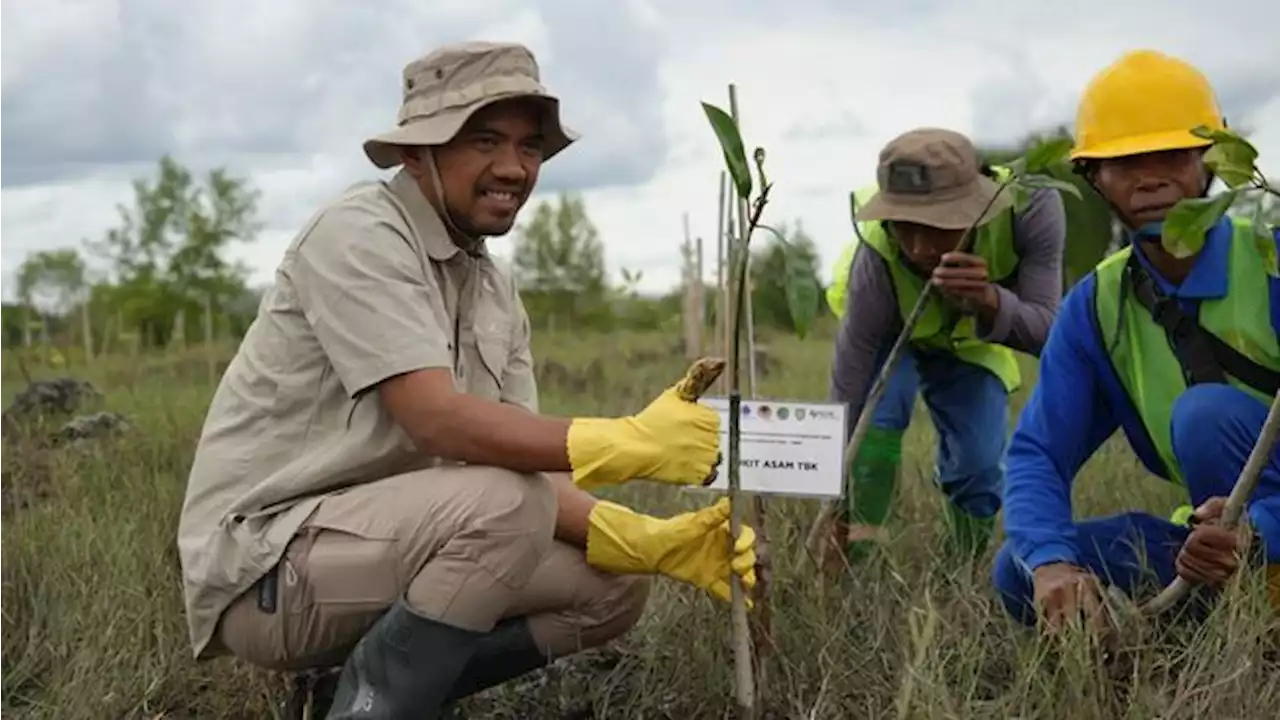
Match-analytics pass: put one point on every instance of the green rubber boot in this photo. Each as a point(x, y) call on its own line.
point(970, 535)
point(870, 487)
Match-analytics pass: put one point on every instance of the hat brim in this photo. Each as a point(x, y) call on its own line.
point(1140, 144)
point(384, 150)
point(955, 210)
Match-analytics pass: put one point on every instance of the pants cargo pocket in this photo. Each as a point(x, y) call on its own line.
point(345, 581)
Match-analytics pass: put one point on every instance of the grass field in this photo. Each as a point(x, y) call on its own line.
point(93, 624)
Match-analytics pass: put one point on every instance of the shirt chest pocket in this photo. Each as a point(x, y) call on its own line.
point(487, 348)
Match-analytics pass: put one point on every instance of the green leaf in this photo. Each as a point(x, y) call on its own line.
point(1233, 162)
point(803, 295)
point(1046, 153)
point(1186, 224)
point(1231, 158)
point(1036, 182)
point(735, 156)
point(1021, 195)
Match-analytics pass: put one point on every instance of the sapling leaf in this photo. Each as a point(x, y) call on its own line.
point(1044, 181)
point(801, 289)
point(803, 296)
point(1188, 221)
point(1231, 157)
point(1046, 153)
point(1021, 196)
point(1233, 162)
point(735, 156)
point(1017, 166)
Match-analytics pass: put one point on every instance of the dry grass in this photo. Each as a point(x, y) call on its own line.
point(93, 622)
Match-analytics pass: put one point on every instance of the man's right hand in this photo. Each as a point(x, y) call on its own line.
point(1063, 590)
point(672, 440)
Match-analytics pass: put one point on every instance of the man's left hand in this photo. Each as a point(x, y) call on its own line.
point(1209, 555)
point(693, 547)
point(963, 278)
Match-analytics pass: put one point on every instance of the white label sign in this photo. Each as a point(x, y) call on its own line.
point(786, 447)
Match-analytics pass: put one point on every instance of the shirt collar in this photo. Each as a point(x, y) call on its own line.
point(426, 221)
point(1208, 276)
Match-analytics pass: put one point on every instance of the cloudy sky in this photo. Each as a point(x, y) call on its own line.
point(283, 93)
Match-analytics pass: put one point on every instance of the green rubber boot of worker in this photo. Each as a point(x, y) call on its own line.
point(870, 489)
point(969, 535)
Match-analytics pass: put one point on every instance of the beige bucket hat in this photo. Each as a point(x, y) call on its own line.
point(931, 176)
point(444, 88)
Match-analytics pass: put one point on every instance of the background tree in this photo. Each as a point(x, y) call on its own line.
point(559, 264)
point(168, 256)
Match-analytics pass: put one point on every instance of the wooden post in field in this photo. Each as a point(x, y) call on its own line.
point(699, 299)
point(86, 329)
point(688, 269)
point(724, 225)
point(209, 349)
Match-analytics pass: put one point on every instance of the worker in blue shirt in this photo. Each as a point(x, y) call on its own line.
point(1191, 415)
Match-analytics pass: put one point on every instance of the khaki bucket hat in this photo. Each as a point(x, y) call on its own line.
point(931, 176)
point(444, 88)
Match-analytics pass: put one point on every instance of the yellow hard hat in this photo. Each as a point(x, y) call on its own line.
point(1145, 101)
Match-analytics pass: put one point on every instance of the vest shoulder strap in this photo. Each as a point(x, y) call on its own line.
point(1204, 357)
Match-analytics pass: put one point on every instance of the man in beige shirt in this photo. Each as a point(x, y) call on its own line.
point(374, 486)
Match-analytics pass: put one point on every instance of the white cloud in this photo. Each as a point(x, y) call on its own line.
point(286, 93)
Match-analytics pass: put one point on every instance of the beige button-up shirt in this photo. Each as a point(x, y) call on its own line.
point(371, 288)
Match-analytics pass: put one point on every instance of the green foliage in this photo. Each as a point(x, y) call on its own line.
point(51, 280)
point(1232, 158)
point(558, 261)
point(1188, 221)
point(1089, 226)
point(156, 269)
point(735, 157)
point(786, 286)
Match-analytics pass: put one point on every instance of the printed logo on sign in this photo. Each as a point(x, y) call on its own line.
point(800, 413)
point(765, 412)
point(783, 413)
point(823, 414)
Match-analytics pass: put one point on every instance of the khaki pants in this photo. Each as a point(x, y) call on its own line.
point(467, 546)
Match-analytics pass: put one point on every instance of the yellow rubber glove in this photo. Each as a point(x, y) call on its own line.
point(692, 547)
point(672, 440)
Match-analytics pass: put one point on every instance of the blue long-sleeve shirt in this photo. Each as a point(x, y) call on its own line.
point(1079, 402)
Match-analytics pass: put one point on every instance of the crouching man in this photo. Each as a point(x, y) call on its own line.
point(374, 486)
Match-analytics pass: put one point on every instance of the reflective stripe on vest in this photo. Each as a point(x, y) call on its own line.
point(1139, 349)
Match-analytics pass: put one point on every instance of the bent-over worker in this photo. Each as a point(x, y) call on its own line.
point(374, 486)
point(999, 297)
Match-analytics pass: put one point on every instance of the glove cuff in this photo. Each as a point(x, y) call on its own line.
point(610, 528)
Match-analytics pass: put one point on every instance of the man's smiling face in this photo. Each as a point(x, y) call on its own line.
point(490, 167)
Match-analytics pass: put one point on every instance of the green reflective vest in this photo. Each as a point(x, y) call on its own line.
point(838, 290)
point(1140, 352)
point(941, 327)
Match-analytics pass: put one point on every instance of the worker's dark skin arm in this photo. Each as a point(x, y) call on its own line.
point(574, 511)
point(445, 422)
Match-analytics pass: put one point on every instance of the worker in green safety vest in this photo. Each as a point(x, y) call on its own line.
point(1181, 353)
point(998, 298)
